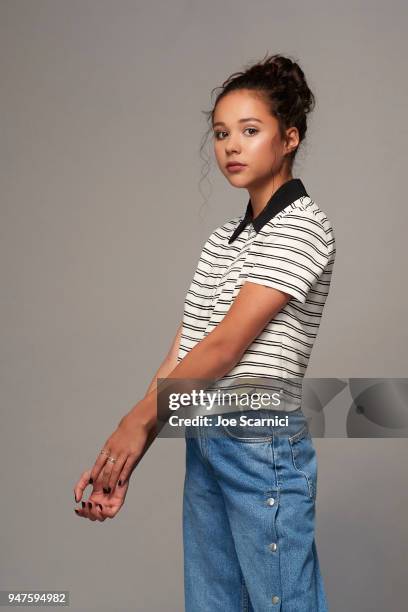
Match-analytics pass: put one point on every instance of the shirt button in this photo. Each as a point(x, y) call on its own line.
point(273, 546)
point(275, 599)
point(270, 501)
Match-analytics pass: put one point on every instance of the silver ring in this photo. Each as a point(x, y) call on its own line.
point(112, 460)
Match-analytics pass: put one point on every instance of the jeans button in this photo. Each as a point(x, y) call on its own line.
point(275, 599)
point(273, 547)
point(270, 501)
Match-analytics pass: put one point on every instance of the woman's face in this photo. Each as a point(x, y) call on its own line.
point(244, 131)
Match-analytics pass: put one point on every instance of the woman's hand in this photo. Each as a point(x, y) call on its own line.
point(99, 506)
point(110, 479)
point(122, 450)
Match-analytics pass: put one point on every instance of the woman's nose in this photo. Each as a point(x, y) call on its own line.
point(232, 146)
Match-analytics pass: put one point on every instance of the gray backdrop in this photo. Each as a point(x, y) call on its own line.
point(102, 223)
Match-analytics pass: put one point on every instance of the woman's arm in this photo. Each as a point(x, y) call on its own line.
point(217, 353)
point(169, 362)
point(110, 506)
point(211, 358)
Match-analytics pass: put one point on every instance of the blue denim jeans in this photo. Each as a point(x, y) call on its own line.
point(249, 517)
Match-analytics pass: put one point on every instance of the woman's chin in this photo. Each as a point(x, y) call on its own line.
point(238, 181)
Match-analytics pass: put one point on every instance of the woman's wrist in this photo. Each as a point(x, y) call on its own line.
point(144, 413)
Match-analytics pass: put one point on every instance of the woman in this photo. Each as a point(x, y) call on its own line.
point(253, 309)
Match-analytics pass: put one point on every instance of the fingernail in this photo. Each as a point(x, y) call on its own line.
point(89, 504)
point(83, 504)
point(91, 481)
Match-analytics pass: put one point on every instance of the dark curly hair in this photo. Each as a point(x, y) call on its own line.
point(281, 82)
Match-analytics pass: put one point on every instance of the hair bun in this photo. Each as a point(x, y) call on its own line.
point(285, 73)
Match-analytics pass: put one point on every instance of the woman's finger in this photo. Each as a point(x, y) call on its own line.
point(100, 461)
point(116, 470)
point(83, 509)
point(78, 511)
point(106, 472)
point(113, 464)
point(100, 512)
point(109, 511)
point(81, 485)
point(93, 511)
point(126, 470)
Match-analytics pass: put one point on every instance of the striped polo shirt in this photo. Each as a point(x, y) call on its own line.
point(290, 245)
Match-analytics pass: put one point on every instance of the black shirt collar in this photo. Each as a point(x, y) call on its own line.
point(286, 194)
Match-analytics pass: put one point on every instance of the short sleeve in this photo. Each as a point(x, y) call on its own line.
point(292, 257)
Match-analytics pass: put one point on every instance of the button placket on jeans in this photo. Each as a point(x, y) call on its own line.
point(273, 547)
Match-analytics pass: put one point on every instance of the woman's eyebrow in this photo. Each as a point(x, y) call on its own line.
point(239, 121)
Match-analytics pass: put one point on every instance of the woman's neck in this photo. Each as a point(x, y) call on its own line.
point(261, 195)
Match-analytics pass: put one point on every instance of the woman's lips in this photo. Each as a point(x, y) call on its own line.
point(235, 167)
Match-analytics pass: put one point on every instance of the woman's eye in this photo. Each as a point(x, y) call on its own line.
point(217, 134)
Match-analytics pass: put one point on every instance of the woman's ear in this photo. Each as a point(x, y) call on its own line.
point(292, 139)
